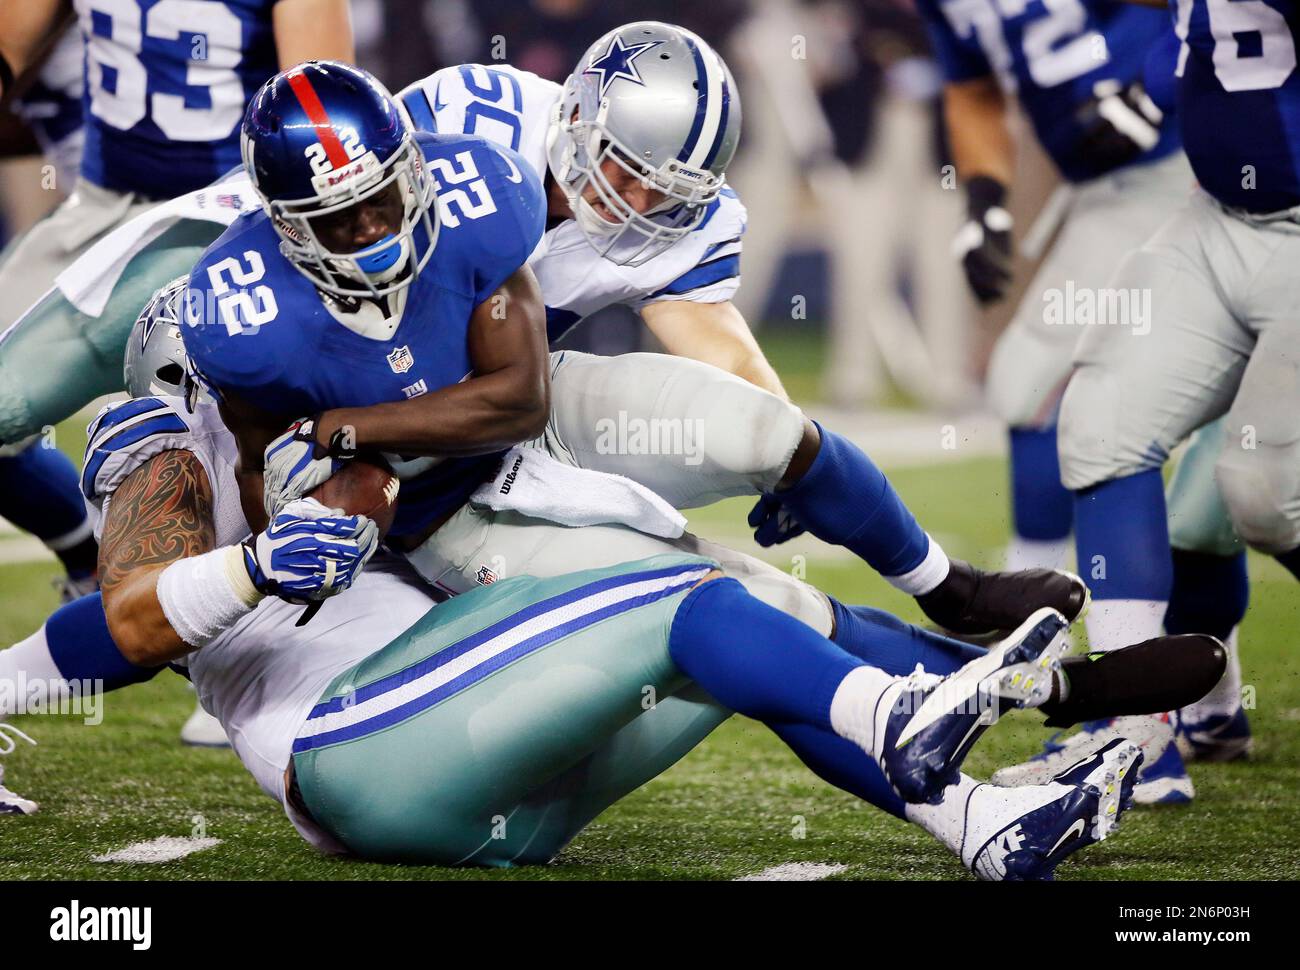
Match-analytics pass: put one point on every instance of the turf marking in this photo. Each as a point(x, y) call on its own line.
point(166, 848)
point(794, 872)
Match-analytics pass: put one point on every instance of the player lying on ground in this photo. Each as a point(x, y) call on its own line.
point(1107, 122)
point(1223, 342)
point(163, 478)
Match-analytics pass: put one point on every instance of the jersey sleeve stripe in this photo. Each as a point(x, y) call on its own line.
point(421, 112)
point(705, 274)
point(161, 425)
point(127, 409)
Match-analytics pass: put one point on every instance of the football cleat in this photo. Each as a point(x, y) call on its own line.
point(1021, 834)
point(970, 601)
point(203, 730)
point(1163, 779)
point(1216, 737)
point(928, 724)
point(12, 803)
point(70, 589)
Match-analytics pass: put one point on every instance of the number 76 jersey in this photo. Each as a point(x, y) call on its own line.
point(1239, 99)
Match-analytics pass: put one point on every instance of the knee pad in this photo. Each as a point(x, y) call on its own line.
point(1261, 488)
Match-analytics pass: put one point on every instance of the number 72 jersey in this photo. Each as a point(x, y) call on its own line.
point(1239, 98)
point(166, 85)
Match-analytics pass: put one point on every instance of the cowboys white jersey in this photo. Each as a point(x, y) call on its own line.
point(262, 676)
point(515, 108)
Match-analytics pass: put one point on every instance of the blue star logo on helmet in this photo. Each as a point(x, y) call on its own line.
point(617, 62)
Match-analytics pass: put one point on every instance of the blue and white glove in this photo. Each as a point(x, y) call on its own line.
point(294, 464)
point(309, 552)
point(772, 522)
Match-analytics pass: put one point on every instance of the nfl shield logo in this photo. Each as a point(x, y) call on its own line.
point(400, 360)
point(486, 576)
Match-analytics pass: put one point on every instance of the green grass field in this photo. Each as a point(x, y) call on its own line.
point(736, 805)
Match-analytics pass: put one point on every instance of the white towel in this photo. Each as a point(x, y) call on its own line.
point(533, 483)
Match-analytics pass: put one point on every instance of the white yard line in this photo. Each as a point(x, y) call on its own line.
point(166, 848)
point(794, 872)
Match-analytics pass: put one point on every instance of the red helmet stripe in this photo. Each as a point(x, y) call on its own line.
point(306, 96)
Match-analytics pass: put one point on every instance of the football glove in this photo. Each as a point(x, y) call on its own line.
point(983, 244)
point(772, 522)
point(295, 463)
point(1119, 123)
point(308, 553)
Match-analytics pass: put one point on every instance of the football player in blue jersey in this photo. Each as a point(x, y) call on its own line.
point(1222, 341)
point(1100, 99)
point(164, 92)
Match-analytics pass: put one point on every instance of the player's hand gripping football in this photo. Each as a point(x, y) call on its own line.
point(983, 244)
point(308, 552)
point(296, 463)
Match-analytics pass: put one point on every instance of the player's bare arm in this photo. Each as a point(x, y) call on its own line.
point(506, 401)
point(27, 28)
point(714, 333)
point(975, 112)
point(312, 30)
point(160, 514)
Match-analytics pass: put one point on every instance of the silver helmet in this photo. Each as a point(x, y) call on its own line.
point(660, 103)
point(156, 362)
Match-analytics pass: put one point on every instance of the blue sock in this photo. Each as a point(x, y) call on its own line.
point(896, 647)
point(83, 649)
point(845, 499)
point(1210, 593)
point(40, 492)
point(1041, 507)
point(1122, 538)
point(841, 763)
point(784, 671)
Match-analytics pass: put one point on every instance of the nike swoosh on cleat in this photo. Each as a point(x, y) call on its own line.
point(438, 103)
point(1074, 830)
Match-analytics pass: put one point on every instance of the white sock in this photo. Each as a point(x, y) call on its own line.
point(932, 571)
point(947, 820)
point(1226, 694)
point(28, 675)
point(1025, 553)
point(1119, 623)
point(853, 708)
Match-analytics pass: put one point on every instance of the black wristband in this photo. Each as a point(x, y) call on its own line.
point(6, 76)
point(985, 192)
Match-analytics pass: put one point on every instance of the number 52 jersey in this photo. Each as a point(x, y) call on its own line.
point(258, 329)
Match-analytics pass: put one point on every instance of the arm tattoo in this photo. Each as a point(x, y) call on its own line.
point(161, 513)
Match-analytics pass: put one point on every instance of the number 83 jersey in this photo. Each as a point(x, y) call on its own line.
point(166, 85)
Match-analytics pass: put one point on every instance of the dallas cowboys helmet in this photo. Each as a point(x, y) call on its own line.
point(659, 102)
point(156, 362)
point(320, 138)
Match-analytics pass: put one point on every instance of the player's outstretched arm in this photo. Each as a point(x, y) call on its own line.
point(507, 399)
point(168, 589)
point(161, 513)
point(714, 333)
point(307, 30)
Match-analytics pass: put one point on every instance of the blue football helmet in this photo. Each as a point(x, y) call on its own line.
point(320, 138)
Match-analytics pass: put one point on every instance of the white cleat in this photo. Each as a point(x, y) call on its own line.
point(1015, 834)
point(12, 803)
point(1162, 781)
point(203, 730)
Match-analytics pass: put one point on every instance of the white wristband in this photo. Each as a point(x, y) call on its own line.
point(203, 596)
